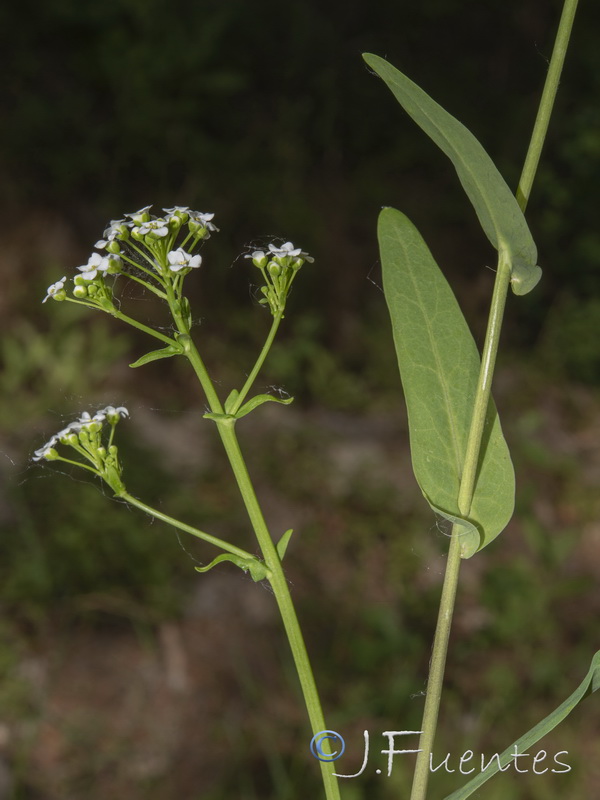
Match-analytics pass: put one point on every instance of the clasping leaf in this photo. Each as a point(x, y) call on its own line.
point(439, 366)
point(495, 205)
point(258, 569)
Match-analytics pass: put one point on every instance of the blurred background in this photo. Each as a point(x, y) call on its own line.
point(123, 671)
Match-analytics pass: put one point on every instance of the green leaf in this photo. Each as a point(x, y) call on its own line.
point(589, 685)
point(283, 543)
point(231, 400)
point(165, 352)
point(258, 400)
point(495, 205)
point(258, 569)
point(439, 366)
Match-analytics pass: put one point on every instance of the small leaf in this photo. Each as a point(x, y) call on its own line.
point(501, 218)
point(589, 685)
point(165, 352)
point(258, 400)
point(439, 366)
point(283, 543)
point(231, 400)
point(258, 569)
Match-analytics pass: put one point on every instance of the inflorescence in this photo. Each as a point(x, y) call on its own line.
point(158, 252)
point(92, 438)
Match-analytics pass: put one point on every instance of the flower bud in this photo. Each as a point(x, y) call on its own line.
point(80, 291)
point(274, 269)
point(113, 247)
point(114, 267)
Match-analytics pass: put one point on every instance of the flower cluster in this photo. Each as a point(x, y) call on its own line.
point(145, 247)
point(85, 436)
point(279, 266)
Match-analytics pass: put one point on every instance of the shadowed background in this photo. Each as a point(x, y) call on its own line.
point(124, 671)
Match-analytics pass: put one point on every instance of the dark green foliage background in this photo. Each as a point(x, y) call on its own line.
point(265, 113)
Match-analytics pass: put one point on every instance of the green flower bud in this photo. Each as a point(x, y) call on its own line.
point(113, 247)
point(80, 291)
point(198, 229)
point(274, 269)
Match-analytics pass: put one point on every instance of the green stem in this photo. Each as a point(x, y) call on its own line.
point(542, 120)
point(490, 349)
point(147, 285)
point(267, 547)
point(465, 497)
point(259, 362)
point(154, 512)
point(282, 596)
point(484, 385)
point(140, 326)
point(436, 669)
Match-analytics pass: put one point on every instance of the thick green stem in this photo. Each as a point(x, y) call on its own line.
point(465, 497)
point(437, 666)
point(283, 598)
point(484, 385)
point(267, 547)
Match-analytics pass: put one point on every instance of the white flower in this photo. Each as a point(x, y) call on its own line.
point(288, 250)
point(181, 209)
point(138, 216)
point(112, 414)
point(157, 227)
point(203, 220)
point(96, 263)
point(57, 287)
point(259, 258)
point(179, 259)
point(111, 233)
point(43, 451)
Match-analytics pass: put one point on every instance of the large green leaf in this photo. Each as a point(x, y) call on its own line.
point(499, 214)
point(439, 367)
point(590, 684)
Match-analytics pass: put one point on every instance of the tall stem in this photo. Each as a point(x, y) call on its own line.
point(447, 601)
point(282, 596)
point(465, 497)
point(267, 547)
point(542, 119)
